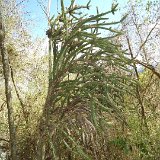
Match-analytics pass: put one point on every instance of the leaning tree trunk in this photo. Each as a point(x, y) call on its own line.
point(6, 73)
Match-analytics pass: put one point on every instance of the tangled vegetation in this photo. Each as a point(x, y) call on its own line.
point(86, 99)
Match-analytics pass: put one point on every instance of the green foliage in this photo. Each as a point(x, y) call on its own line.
point(122, 144)
point(92, 109)
point(87, 82)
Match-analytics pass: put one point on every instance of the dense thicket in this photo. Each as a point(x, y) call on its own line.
point(87, 98)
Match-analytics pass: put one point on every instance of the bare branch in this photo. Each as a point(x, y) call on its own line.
point(148, 66)
point(148, 36)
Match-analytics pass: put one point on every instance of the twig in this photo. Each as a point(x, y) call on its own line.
point(138, 90)
point(44, 10)
point(148, 66)
point(3, 104)
point(148, 36)
point(132, 57)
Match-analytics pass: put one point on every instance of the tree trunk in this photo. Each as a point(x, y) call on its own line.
point(7, 75)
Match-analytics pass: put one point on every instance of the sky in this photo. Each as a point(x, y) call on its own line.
point(39, 24)
point(35, 13)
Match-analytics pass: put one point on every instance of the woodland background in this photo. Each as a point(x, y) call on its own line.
point(92, 92)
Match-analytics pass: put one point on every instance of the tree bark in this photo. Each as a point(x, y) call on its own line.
point(7, 77)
